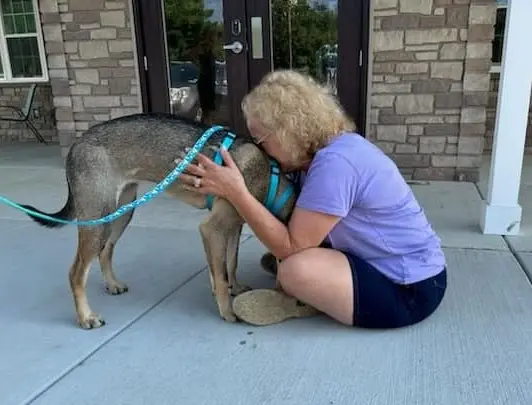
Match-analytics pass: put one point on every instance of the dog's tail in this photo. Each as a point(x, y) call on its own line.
point(65, 213)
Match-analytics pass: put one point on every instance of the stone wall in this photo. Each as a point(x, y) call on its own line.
point(90, 52)
point(431, 60)
point(42, 114)
point(490, 117)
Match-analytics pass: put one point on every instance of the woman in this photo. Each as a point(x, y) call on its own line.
point(358, 246)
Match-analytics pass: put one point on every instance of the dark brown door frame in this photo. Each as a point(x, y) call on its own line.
point(140, 45)
point(353, 49)
point(244, 72)
point(259, 67)
point(237, 68)
point(150, 35)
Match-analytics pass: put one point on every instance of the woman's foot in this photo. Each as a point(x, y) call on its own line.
point(269, 263)
point(268, 307)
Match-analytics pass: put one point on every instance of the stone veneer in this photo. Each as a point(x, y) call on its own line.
point(491, 113)
point(431, 61)
point(430, 82)
point(90, 54)
point(42, 114)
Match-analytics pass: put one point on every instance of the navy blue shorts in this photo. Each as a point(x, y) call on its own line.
point(382, 304)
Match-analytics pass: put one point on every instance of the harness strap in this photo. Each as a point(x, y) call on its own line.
point(227, 142)
point(270, 203)
point(274, 183)
point(277, 206)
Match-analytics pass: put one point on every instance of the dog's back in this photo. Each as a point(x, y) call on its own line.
point(140, 146)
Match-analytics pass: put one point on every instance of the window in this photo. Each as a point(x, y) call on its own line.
point(498, 40)
point(22, 56)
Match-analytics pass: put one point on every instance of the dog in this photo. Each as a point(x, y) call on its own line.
point(103, 169)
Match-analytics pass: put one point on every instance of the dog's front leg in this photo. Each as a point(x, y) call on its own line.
point(214, 236)
point(233, 243)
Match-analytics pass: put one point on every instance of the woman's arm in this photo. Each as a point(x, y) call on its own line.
point(306, 229)
point(323, 201)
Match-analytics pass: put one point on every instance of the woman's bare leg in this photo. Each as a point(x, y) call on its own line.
point(322, 279)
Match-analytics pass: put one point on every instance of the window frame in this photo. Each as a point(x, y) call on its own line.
point(6, 58)
point(496, 66)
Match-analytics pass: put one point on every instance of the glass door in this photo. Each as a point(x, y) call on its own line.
point(305, 38)
point(327, 39)
point(200, 57)
point(194, 58)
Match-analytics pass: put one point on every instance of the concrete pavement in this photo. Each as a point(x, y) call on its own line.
point(164, 342)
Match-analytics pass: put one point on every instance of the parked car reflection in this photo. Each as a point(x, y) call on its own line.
point(184, 94)
point(184, 97)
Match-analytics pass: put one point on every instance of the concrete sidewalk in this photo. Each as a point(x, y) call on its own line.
point(164, 342)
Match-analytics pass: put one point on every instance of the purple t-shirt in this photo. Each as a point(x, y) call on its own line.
point(382, 221)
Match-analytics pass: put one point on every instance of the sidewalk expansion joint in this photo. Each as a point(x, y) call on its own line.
point(520, 261)
point(515, 253)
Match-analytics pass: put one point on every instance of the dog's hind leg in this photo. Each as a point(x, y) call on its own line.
point(90, 242)
point(214, 232)
point(112, 284)
point(233, 244)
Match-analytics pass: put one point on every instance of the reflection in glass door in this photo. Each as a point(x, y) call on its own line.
point(196, 60)
point(305, 38)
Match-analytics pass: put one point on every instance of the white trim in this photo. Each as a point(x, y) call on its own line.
point(495, 68)
point(25, 35)
point(501, 212)
point(4, 54)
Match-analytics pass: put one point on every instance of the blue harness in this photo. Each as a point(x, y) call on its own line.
point(273, 205)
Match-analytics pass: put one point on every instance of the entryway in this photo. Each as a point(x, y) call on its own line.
point(199, 58)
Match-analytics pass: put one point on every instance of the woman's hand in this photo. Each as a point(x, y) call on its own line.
point(206, 177)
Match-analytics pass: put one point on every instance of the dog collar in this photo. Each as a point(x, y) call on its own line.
point(273, 205)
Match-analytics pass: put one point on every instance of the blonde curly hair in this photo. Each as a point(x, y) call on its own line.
point(303, 115)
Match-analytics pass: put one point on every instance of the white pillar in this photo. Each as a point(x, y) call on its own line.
point(501, 213)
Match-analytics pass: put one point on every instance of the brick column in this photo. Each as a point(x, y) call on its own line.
point(422, 64)
point(92, 64)
point(475, 88)
point(57, 70)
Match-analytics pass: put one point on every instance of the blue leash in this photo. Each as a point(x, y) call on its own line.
point(163, 185)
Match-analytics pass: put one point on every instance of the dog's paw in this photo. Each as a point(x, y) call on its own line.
point(230, 317)
point(117, 288)
point(92, 321)
point(238, 289)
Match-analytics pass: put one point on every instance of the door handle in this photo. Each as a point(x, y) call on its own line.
point(236, 47)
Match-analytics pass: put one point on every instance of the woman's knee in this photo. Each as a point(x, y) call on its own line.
point(322, 278)
point(294, 270)
point(307, 267)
